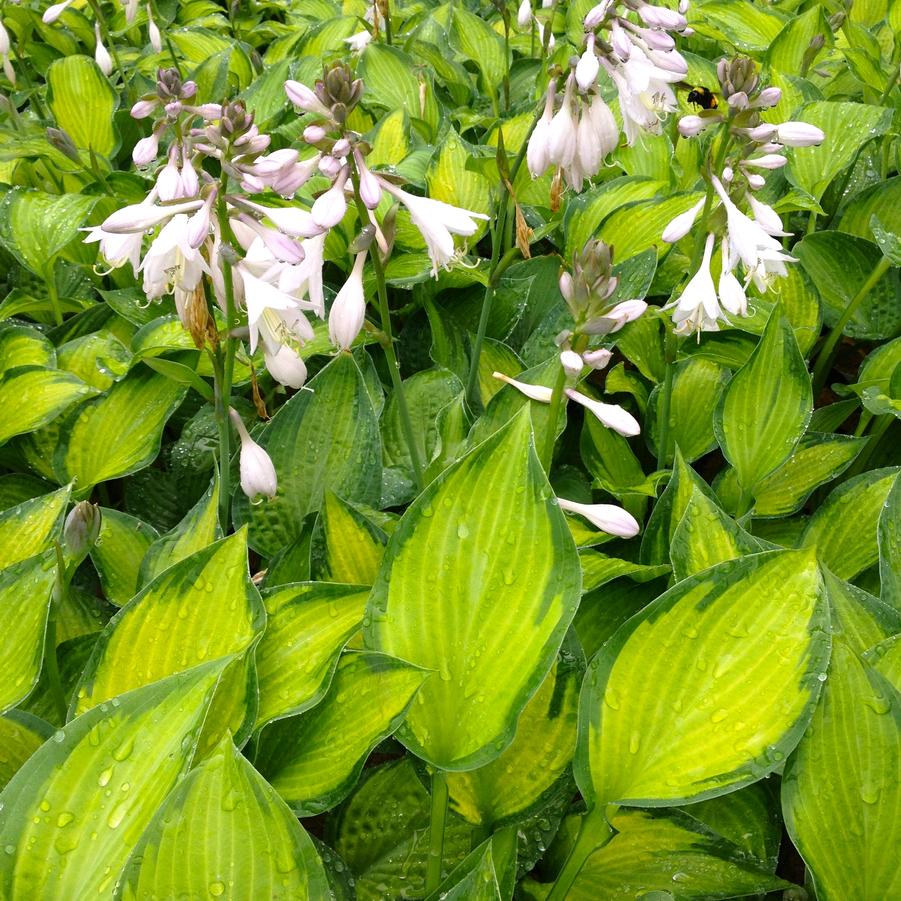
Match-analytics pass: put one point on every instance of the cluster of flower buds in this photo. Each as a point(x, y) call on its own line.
point(748, 238)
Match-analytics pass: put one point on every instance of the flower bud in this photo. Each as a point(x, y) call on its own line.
point(52, 13)
point(370, 189)
point(63, 143)
point(612, 416)
point(606, 517)
point(524, 14)
point(154, 36)
point(800, 134)
point(329, 166)
point(144, 108)
point(81, 529)
point(596, 15)
point(329, 208)
point(538, 393)
point(767, 161)
point(101, 54)
point(769, 97)
point(258, 476)
point(348, 312)
point(691, 126)
point(597, 359)
point(571, 363)
point(313, 134)
point(341, 148)
point(681, 225)
point(588, 67)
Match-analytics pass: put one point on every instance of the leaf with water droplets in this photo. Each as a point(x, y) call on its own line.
point(29, 527)
point(314, 760)
point(841, 791)
point(889, 540)
point(240, 838)
point(21, 734)
point(75, 810)
point(351, 545)
point(480, 582)
point(25, 594)
point(200, 609)
point(118, 552)
point(308, 625)
point(708, 688)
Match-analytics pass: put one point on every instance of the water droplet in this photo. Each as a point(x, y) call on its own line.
point(821, 677)
point(59, 736)
point(217, 888)
point(64, 819)
point(634, 742)
point(462, 530)
point(124, 750)
point(719, 715)
point(869, 793)
point(104, 778)
point(117, 815)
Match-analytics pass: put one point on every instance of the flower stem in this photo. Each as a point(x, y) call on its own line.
point(397, 383)
point(670, 347)
point(51, 662)
point(437, 823)
point(594, 833)
point(53, 292)
point(111, 44)
point(828, 351)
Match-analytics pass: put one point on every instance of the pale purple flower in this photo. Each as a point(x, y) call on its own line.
point(606, 517)
point(612, 416)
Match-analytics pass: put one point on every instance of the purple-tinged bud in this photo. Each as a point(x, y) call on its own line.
point(768, 161)
point(597, 359)
point(370, 189)
point(800, 134)
point(146, 150)
point(329, 208)
point(144, 108)
point(607, 517)
point(738, 100)
point(81, 529)
point(769, 97)
point(305, 98)
point(762, 133)
point(329, 166)
point(341, 148)
point(313, 134)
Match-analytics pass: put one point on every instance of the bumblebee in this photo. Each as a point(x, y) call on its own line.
point(703, 97)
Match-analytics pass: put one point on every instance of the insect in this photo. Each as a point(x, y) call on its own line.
point(703, 97)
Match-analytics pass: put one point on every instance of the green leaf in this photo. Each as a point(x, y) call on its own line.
point(117, 554)
point(98, 359)
point(669, 852)
point(105, 440)
point(844, 528)
point(787, 52)
point(860, 619)
point(598, 569)
point(639, 226)
point(25, 591)
point(747, 663)
point(354, 545)
point(224, 832)
point(74, 811)
point(705, 536)
point(539, 755)
point(308, 626)
point(314, 760)
point(880, 200)
point(847, 127)
point(841, 791)
point(477, 41)
point(889, 540)
point(766, 407)
point(82, 101)
point(743, 24)
point(697, 387)
point(490, 623)
point(199, 529)
point(22, 345)
point(28, 528)
point(21, 734)
point(322, 438)
point(475, 879)
point(449, 180)
point(816, 460)
point(200, 609)
point(885, 658)
point(33, 397)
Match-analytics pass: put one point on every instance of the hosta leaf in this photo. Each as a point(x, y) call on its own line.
point(323, 438)
point(484, 552)
point(307, 627)
point(21, 734)
point(861, 619)
point(638, 227)
point(816, 460)
point(841, 792)
point(748, 641)
point(117, 555)
point(706, 536)
point(889, 538)
point(539, 754)
point(199, 529)
point(29, 527)
point(383, 834)
point(844, 528)
point(105, 440)
point(449, 179)
point(475, 879)
point(353, 545)
point(31, 398)
point(885, 658)
point(82, 101)
point(598, 569)
point(224, 832)
point(669, 853)
point(72, 654)
point(846, 126)
point(203, 608)
point(766, 407)
point(25, 591)
point(21, 345)
point(76, 809)
point(314, 760)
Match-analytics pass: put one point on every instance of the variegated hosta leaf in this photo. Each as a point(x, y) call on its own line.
point(308, 625)
point(21, 734)
point(118, 553)
point(540, 753)
point(314, 760)
point(861, 619)
point(202, 608)
point(25, 596)
point(29, 527)
point(197, 530)
point(75, 810)
point(889, 536)
point(670, 853)
point(353, 546)
point(479, 583)
point(709, 687)
point(225, 833)
point(475, 879)
point(885, 658)
point(841, 793)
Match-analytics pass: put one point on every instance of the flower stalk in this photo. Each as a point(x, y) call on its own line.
point(437, 824)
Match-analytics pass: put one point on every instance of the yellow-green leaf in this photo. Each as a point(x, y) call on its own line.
point(314, 760)
point(480, 581)
point(889, 537)
point(82, 101)
point(21, 734)
point(353, 545)
point(75, 810)
point(708, 688)
point(32, 397)
point(117, 555)
point(224, 832)
point(26, 529)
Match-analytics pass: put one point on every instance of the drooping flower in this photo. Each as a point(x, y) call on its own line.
point(606, 517)
point(348, 312)
point(258, 477)
point(101, 54)
point(52, 13)
point(4, 55)
point(359, 42)
point(612, 416)
point(534, 392)
point(697, 308)
point(681, 225)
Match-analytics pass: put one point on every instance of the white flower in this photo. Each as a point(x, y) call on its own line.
point(767, 161)
point(370, 189)
point(131, 10)
point(606, 517)
point(799, 134)
point(768, 97)
point(52, 13)
point(329, 208)
point(691, 126)
point(290, 220)
point(281, 170)
point(538, 152)
point(172, 265)
point(597, 14)
point(146, 150)
point(588, 66)
point(533, 392)
point(661, 17)
point(359, 42)
point(257, 470)
point(597, 359)
point(437, 222)
point(305, 280)
point(272, 315)
point(524, 14)
point(698, 308)
point(732, 294)
point(564, 129)
point(680, 226)
point(4, 54)
point(101, 54)
point(612, 416)
point(613, 320)
point(571, 362)
point(138, 217)
point(117, 249)
point(286, 366)
point(766, 217)
point(348, 312)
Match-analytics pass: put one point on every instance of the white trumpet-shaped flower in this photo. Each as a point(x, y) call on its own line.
point(52, 13)
point(258, 477)
point(606, 517)
point(680, 226)
point(534, 392)
point(101, 54)
point(612, 416)
point(348, 312)
point(698, 309)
